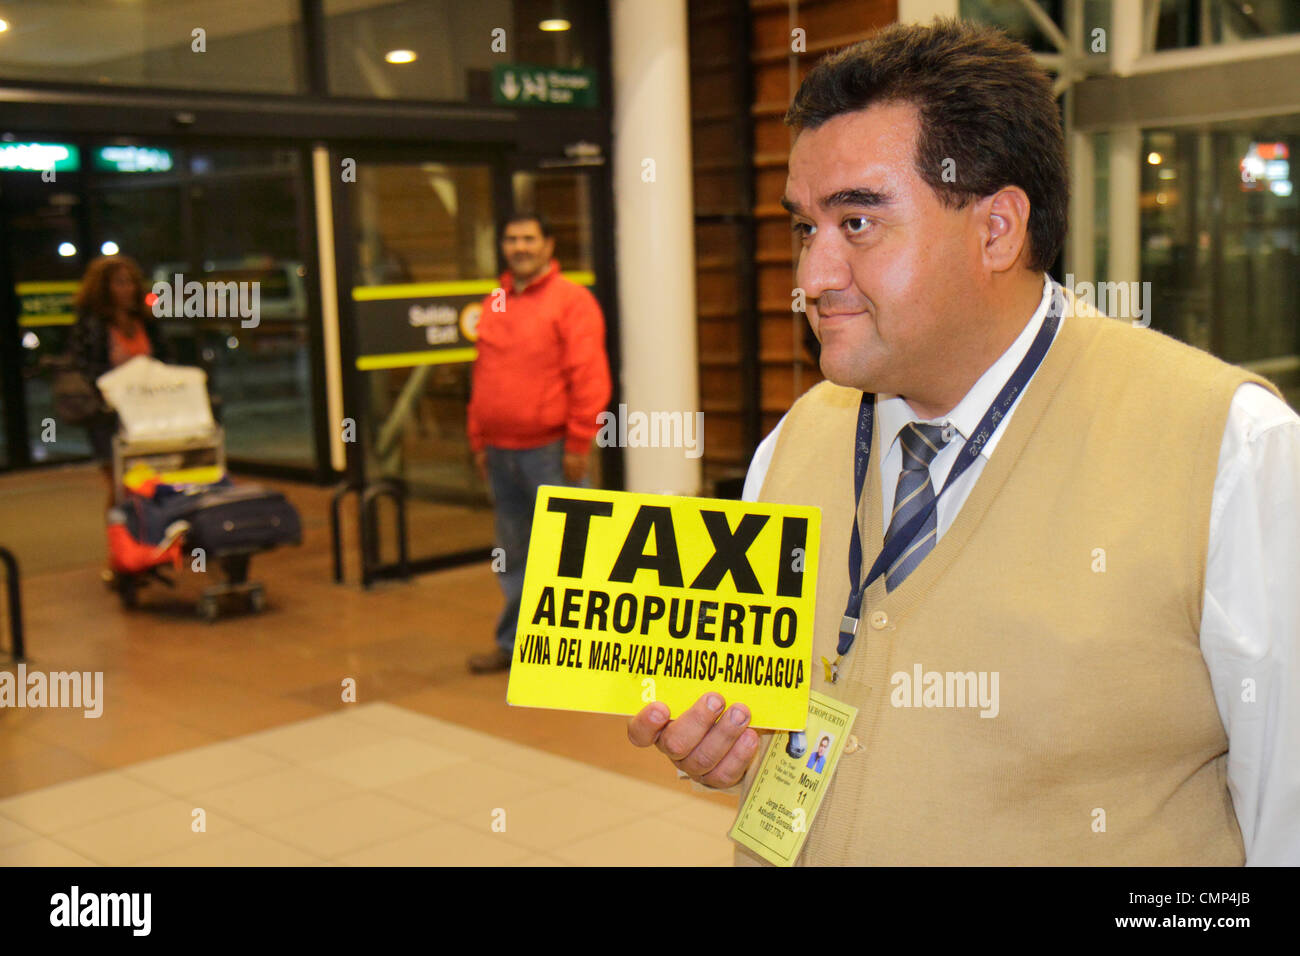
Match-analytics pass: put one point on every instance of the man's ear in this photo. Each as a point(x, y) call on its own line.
point(548, 249)
point(1004, 227)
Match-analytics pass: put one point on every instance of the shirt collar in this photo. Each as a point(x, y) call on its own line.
point(508, 279)
point(893, 412)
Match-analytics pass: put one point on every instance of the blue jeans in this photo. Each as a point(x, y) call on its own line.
point(514, 476)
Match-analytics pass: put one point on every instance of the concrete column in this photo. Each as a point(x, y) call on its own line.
point(1124, 262)
point(655, 236)
point(1081, 242)
point(1125, 39)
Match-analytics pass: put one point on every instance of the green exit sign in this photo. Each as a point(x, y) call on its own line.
point(518, 84)
point(133, 159)
point(39, 157)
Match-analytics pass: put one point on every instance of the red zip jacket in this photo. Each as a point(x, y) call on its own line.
point(541, 372)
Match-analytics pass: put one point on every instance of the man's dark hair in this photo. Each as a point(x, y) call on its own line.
point(982, 101)
point(515, 217)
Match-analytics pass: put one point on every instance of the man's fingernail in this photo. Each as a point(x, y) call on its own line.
point(738, 716)
point(659, 713)
point(714, 703)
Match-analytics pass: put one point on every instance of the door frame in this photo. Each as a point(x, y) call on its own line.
point(504, 158)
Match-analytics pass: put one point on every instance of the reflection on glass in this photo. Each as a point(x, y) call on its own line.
point(207, 44)
point(416, 49)
point(424, 223)
point(1186, 23)
point(220, 216)
point(42, 219)
point(564, 198)
point(1221, 242)
point(425, 232)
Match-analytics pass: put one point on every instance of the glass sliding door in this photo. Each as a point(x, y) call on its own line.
point(216, 216)
point(425, 254)
point(424, 249)
point(1221, 241)
point(227, 215)
point(42, 221)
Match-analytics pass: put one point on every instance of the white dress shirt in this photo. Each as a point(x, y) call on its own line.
point(1250, 628)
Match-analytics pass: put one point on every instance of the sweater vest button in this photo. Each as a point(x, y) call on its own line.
point(879, 619)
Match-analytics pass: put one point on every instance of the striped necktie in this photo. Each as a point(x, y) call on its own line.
point(915, 491)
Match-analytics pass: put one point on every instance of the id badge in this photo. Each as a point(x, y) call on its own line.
point(792, 779)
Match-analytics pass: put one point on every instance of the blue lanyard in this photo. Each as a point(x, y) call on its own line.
point(970, 451)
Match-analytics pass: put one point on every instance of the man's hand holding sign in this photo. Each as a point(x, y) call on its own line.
point(676, 603)
point(714, 752)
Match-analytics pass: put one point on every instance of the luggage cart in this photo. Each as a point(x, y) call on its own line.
point(178, 455)
point(234, 522)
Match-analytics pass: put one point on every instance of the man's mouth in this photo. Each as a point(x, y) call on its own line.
point(835, 318)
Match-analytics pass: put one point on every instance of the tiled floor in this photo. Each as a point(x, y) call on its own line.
point(372, 785)
point(245, 720)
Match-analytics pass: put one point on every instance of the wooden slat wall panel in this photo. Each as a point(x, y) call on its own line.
point(716, 292)
point(786, 368)
point(771, 83)
point(711, 138)
point(717, 240)
point(781, 338)
point(771, 135)
point(710, 89)
point(832, 21)
point(769, 185)
point(722, 431)
point(732, 224)
point(718, 336)
point(716, 190)
point(775, 237)
point(722, 206)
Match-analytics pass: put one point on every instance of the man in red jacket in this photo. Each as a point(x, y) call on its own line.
point(540, 380)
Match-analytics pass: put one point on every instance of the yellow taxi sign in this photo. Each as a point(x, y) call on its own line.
point(634, 598)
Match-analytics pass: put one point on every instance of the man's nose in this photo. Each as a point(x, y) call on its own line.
point(822, 267)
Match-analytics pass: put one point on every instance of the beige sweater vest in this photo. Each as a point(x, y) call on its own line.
point(1107, 747)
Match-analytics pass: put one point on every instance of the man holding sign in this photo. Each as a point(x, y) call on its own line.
point(1057, 528)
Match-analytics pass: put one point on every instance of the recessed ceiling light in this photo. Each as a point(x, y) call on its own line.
point(4, 25)
point(554, 26)
point(400, 56)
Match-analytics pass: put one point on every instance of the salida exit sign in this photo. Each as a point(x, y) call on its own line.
point(518, 84)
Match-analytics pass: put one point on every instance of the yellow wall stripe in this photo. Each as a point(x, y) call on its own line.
point(38, 288)
point(422, 290)
point(37, 321)
point(369, 363)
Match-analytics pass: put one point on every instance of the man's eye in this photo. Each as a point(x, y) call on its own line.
point(803, 229)
point(856, 225)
